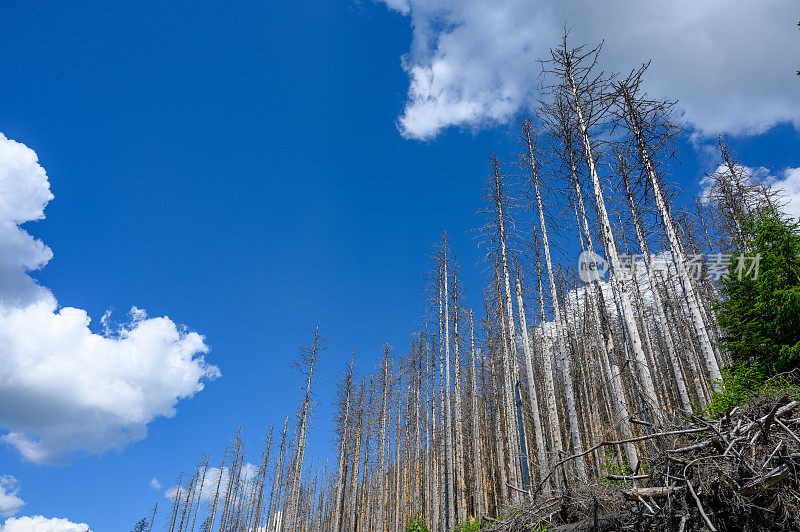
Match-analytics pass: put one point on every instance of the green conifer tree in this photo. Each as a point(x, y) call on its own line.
point(760, 310)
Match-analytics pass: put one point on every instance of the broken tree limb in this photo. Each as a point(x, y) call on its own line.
point(658, 492)
point(615, 442)
point(700, 507)
point(770, 479)
point(627, 477)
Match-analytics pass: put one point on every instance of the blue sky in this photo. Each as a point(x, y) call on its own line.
point(249, 170)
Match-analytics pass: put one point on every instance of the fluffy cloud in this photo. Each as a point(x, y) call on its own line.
point(63, 388)
point(37, 523)
point(10, 503)
point(214, 476)
point(787, 183)
point(24, 191)
point(730, 63)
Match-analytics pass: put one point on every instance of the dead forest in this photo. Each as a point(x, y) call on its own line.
point(558, 403)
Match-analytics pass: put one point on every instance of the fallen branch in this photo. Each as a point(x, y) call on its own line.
point(658, 492)
point(627, 477)
point(770, 479)
point(700, 507)
point(614, 442)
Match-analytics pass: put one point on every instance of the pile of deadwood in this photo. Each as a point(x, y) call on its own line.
point(739, 472)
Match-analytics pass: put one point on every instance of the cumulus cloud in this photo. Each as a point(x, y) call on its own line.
point(214, 476)
point(155, 484)
point(789, 184)
point(10, 503)
point(63, 388)
point(786, 183)
point(731, 63)
point(24, 191)
point(37, 523)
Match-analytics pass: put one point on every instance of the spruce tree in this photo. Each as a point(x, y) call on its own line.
point(760, 310)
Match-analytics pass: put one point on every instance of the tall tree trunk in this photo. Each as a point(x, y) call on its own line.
point(663, 325)
point(344, 438)
point(541, 448)
point(509, 359)
point(460, 491)
point(566, 363)
point(477, 448)
point(446, 398)
point(642, 369)
point(547, 372)
point(678, 255)
point(307, 365)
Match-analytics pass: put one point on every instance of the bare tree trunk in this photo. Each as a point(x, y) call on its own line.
point(509, 360)
point(460, 491)
point(344, 438)
point(384, 440)
point(547, 371)
point(663, 325)
point(352, 508)
point(477, 449)
point(541, 448)
point(306, 365)
point(678, 256)
point(446, 398)
point(261, 481)
point(501, 455)
point(566, 363)
point(642, 369)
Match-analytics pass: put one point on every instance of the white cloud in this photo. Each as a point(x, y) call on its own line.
point(10, 503)
point(730, 63)
point(786, 182)
point(24, 191)
point(212, 479)
point(403, 6)
point(789, 184)
point(37, 523)
point(63, 388)
point(155, 484)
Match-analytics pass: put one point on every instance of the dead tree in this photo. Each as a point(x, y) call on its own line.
point(642, 115)
point(498, 199)
point(584, 90)
point(661, 317)
point(458, 422)
point(305, 366)
point(343, 428)
point(564, 357)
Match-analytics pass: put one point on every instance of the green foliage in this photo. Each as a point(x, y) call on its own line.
point(745, 381)
point(141, 526)
point(761, 313)
point(740, 383)
point(417, 525)
point(611, 466)
point(472, 523)
point(538, 527)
